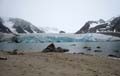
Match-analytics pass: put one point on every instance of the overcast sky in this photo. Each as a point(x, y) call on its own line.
point(67, 15)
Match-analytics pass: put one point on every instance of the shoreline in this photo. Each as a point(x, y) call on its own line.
point(58, 64)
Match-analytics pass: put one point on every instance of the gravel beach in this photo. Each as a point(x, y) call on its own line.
point(58, 64)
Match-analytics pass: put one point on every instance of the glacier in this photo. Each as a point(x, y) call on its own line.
point(58, 38)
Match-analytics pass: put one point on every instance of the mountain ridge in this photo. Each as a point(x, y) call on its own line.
point(17, 25)
point(112, 25)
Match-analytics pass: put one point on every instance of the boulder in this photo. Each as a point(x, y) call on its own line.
point(3, 58)
point(59, 49)
point(52, 48)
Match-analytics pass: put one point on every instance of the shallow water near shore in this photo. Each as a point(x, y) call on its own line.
point(99, 48)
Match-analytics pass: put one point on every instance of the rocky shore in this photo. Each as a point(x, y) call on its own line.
point(58, 64)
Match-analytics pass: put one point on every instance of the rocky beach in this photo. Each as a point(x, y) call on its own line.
point(58, 64)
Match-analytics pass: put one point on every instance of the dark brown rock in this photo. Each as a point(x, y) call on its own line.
point(52, 48)
point(59, 49)
point(3, 58)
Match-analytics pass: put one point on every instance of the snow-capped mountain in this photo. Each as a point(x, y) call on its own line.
point(112, 25)
point(17, 25)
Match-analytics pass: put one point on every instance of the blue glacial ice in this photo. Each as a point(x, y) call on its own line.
point(44, 38)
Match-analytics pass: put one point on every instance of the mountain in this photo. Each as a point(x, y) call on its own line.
point(17, 25)
point(112, 25)
point(3, 28)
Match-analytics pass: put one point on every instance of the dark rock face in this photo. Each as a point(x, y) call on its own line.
point(84, 29)
point(52, 48)
point(3, 28)
point(101, 26)
point(115, 23)
point(62, 32)
point(19, 29)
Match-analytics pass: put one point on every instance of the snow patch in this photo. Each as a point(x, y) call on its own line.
point(49, 29)
point(93, 25)
point(9, 24)
point(96, 23)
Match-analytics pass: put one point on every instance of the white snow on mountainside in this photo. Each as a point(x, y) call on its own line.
point(96, 23)
point(110, 25)
point(9, 24)
point(17, 25)
point(49, 29)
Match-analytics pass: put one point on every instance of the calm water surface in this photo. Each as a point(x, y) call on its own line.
point(100, 48)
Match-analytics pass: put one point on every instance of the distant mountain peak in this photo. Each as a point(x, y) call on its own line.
point(17, 25)
point(111, 25)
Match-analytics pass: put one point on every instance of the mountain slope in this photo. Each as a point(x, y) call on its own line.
point(16, 25)
point(4, 28)
point(112, 25)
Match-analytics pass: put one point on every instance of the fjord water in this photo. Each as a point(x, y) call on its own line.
point(105, 48)
point(82, 43)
